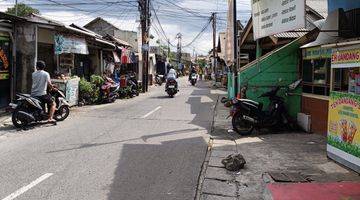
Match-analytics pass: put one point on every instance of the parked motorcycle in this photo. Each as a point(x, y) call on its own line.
point(132, 82)
point(171, 87)
point(30, 110)
point(109, 91)
point(159, 79)
point(248, 115)
point(193, 79)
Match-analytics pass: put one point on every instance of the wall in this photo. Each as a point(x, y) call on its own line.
point(128, 36)
point(318, 109)
point(26, 54)
point(102, 28)
point(280, 68)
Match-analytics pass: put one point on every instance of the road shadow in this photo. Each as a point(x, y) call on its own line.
point(151, 171)
point(143, 138)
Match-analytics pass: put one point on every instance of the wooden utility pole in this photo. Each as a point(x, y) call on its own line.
point(214, 42)
point(145, 26)
point(236, 61)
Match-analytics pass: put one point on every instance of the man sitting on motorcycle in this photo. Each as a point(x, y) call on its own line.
point(171, 76)
point(40, 82)
point(192, 71)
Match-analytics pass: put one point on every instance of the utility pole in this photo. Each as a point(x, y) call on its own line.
point(16, 8)
point(236, 61)
point(179, 37)
point(145, 27)
point(168, 52)
point(214, 42)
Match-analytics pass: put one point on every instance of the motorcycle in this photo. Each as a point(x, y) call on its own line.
point(193, 79)
point(29, 109)
point(132, 82)
point(109, 91)
point(248, 115)
point(159, 79)
point(171, 87)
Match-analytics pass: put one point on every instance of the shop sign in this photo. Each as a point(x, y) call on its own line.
point(4, 76)
point(345, 58)
point(271, 17)
point(344, 126)
point(65, 44)
point(316, 53)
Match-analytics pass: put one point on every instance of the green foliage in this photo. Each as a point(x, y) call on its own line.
point(88, 92)
point(349, 148)
point(97, 80)
point(23, 10)
point(201, 63)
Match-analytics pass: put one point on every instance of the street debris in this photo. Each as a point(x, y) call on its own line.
point(234, 162)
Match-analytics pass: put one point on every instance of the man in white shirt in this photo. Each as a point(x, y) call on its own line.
point(40, 82)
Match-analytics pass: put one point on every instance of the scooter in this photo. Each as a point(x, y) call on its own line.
point(171, 87)
point(109, 91)
point(248, 115)
point(133, 84)
point(159, 79)
point(193, 79)
point(29, 110)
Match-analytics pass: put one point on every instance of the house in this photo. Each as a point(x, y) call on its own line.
point(276, 60)
point(103, 27)
point(66, 50)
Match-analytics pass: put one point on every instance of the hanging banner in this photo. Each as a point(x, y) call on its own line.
point(344, 127)
point(271, 17)
point(345, 58)
point(64, 44)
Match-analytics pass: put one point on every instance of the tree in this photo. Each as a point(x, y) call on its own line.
point(23, 10)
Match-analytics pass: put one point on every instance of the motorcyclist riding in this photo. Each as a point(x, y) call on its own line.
point(192, 71)
point(40, 82)
point(172, 76)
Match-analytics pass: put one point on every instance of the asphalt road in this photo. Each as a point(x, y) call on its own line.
point(150, 147)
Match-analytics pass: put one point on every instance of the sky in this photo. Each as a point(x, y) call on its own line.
point(187, 17)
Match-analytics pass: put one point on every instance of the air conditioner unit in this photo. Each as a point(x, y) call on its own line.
point(304, 121)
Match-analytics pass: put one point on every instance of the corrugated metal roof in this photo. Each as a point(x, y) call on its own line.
point(292, 34)
point(320, 6)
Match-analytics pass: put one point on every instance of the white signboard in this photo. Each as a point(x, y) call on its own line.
point(65, 44)
point(276, 16)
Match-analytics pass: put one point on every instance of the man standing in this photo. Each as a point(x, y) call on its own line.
point(40, 82)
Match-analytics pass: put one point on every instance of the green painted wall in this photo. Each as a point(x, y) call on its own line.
point(278, 69)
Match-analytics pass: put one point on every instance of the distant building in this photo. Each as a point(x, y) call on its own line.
point(103, 27)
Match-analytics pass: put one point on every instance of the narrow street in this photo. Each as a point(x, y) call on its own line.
point(150, 147)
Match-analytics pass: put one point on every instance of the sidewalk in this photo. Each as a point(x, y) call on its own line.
point(282, 157)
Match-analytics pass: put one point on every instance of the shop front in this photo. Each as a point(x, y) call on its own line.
point(316, 64)
point(5, 69)
point(344, 107)
point(69, 50)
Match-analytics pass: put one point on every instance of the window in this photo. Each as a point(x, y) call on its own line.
point(347, 80)
point(316, 76)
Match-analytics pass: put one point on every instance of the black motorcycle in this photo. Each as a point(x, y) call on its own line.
point(171, 87)
point(193, 79)
point(30, 110)
point(132, 82)
point(248, 115)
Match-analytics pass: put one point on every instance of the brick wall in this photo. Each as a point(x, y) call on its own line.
point(318, 109)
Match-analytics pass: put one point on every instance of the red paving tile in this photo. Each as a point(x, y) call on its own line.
point(315, 191)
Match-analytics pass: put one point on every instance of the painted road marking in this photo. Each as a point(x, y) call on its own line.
point(151, 112)
point(27, 187)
